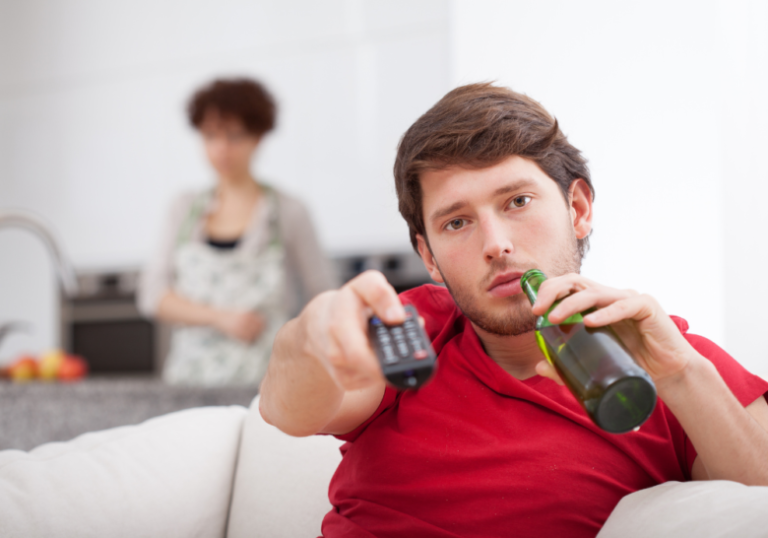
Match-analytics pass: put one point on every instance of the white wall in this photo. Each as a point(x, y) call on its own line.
point(659, 96)
point(743, 189)
point(666, 99)
point(93, 135)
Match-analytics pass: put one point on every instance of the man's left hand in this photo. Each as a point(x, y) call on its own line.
point(645, 329)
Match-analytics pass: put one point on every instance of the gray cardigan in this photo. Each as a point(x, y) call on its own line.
point(308, 271)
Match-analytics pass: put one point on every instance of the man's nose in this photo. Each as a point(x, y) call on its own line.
point(496, 239)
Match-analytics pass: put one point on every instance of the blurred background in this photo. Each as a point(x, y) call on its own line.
point(666, 100)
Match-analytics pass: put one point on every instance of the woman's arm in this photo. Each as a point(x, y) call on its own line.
point(155, 296)
point(245, 325)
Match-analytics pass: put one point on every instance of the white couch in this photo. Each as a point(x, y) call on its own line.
point(217, 472)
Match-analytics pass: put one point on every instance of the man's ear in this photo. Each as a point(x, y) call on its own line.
point(580, 197)
point(428, 259)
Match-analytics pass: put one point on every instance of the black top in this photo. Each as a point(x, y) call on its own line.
point(223, 244)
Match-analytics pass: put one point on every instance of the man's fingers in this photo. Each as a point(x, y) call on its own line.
point(578, 302)
point(341, 330)
point(358, 359)
point(351, 379)
point(576, 294)
point(346, 367)
point(636, 308)
point(348, 347)
point(556, 288)
point(374, 291)
point(597, 297)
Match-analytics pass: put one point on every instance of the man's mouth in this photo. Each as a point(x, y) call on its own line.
point(505, 285)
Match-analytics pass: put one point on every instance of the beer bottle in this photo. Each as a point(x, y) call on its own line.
point(597, 368)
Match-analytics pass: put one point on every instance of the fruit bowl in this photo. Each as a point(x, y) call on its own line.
point(54, 365)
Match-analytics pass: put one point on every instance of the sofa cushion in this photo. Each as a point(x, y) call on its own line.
point(707, 509)
point(281, 485)
point(169, 476)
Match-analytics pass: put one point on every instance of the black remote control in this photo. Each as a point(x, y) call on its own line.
point(404, 351)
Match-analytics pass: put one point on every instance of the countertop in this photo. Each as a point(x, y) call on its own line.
point(34, 413)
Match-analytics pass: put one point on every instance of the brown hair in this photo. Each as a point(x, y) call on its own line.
point(240, 98)
point(478, 126)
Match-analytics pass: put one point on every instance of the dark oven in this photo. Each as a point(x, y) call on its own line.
point(103, 325)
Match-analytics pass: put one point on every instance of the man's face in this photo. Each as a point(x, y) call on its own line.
point(486, 227)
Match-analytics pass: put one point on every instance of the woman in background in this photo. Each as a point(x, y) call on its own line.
point(236, 260)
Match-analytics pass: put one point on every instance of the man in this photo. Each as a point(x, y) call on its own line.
point(495, 445)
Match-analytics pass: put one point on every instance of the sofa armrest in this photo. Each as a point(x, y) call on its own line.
point(706, 509)
point(281, 485)
point(169, 476)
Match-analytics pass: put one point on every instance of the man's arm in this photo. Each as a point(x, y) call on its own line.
point(731, 441)
point(323, 375)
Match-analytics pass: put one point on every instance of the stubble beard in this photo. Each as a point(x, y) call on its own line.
point(517, 317)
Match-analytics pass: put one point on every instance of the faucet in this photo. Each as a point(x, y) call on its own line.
point(64, 269)
point(13, 326)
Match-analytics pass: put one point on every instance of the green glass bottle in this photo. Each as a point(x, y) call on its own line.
point(616, 392)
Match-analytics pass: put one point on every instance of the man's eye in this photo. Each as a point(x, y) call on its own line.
point(455, 224)
point(520, 201)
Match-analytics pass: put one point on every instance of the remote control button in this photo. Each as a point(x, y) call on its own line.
point(375, 321)
point(420, 354)
point(389, 354)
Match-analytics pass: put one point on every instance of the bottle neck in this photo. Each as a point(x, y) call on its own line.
point(530, 283)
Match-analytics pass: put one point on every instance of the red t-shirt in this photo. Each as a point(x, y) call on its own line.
point(477, 452)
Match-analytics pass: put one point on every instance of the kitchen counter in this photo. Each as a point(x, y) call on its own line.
point(35, 413)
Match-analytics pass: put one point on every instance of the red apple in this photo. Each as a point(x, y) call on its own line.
point(72, 368)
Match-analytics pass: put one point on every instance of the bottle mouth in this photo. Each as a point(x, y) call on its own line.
point(531, 273)
point(530, 282)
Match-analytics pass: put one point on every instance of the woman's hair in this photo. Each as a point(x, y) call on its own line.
point(478, 126)
point(244, 99)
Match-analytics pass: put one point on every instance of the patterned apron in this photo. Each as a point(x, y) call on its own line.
point(231, 279)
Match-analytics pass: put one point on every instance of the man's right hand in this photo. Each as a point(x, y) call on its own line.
point(334, 328)
point(323, 374)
